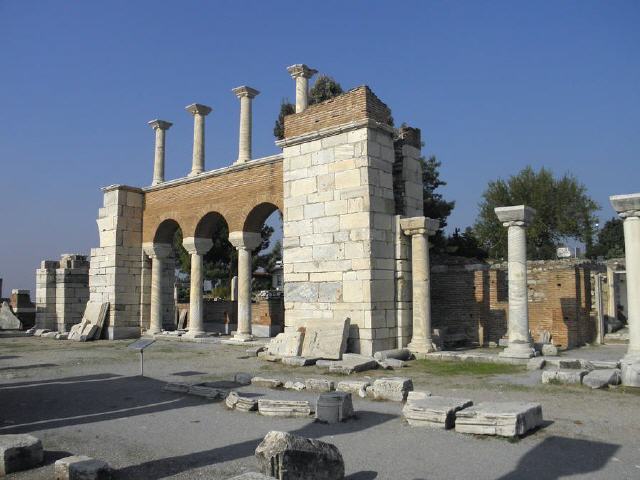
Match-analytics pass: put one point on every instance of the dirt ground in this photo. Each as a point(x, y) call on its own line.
point(88, 398)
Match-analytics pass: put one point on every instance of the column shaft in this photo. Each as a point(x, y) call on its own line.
point(244, 142)
point(421, 340)
point(517, 277)
point(632, 260)
point(196, 321)
point(197, 165)
point(155, 323)
point(158, 163)
point(244, 293)
point(302, 93)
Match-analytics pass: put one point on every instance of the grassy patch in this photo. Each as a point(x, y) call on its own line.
point(446, 368)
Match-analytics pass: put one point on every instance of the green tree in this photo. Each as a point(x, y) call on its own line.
point(286, 108)
point(610, 242)
point(434, 204)
point(564, 211)
point(323, 89)
point(465, 244)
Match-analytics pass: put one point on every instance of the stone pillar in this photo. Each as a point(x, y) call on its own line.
point(628, 208)
point(419, 229)
point(196, 247)
point(158, 253)
point(516, 220)
point(46, 295)
point(245, 243)
point(160, 127)
point(301, 74)
point(199, 112)
point(246, 95)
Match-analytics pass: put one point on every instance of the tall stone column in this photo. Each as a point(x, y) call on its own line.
point(516, 219)
point(246, 95)
point(196, 247)
point(160, 127)
point(199, 112)
point(628, 208)
point(419, 229)
point(245, 243)
point(301, 74)
point(158, 253)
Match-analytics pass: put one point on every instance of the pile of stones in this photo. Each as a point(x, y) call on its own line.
point(89, 328)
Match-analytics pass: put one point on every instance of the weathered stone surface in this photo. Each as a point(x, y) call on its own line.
point(299, 361)
point(392, 388)
point(40, 331)
point(630, 373)
point(326, 363)
point(8, 321)
point(235, 401)
point(569, 363)
point(294, 385)
point(334, 407)
point(506, 419)
point(254, 351)
point(50, 335)
point(96, 314)
point(62, 336)
point(19, 452)
point(268, 357)
point(353, 363)
point(206, 392)
point(177, 387)
point(536, 363)
point(602, 378)
point(397, 354)
point(325, 338)
point(357, 387)
point(243, 378)
point(252, 476)
point(549, 350)
point(289, 457)
point(75, 333)
point(266, 382)
point(567, 377)
point(391, 364)
point(417, 395)
point(319, 385)
point(81, 467)
point(433, 411)
point(288, 344)
point(284, 408)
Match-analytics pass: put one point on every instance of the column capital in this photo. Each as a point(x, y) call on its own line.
point(160, 124)
point(157, 250)
point(301, 70)
point(197, 245)
point(515, 216)
point(419, 226)
point(626, 206)
point(245, 240)
point(245, 91)
point(198, 109)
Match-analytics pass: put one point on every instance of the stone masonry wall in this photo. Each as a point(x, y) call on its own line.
point(46, 295)
point(72, 290)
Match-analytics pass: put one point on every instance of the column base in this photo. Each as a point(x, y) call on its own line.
point(422, 347)
point(518, 350)
point(243, 337)
point(197, 334)
point(630, 366)
point(193, 174)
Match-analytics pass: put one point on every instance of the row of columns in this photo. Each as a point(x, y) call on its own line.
point(244, 242)
point(299, 72)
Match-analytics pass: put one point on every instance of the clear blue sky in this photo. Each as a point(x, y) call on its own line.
point(493, 85)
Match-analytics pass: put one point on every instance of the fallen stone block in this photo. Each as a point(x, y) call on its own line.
point(243, 378)
point(433, 411)
point(299, 361)
point(356, 387)
point(206, 392)
point(391, 364)
point(266, 382)
point(252, 476)
point(326, 363)
point(284, 408)
point(602, 378)
point(81, 467)
point(319, 385)
point(62, 336)
point(549, 350)
point(392, 388)
point(19, 452)
point(8, 321)
point(566, 377)
point(88, 332)
point(268, 357)
point(40, 331)
point(289, 457)
point(287, 344)
point(293, 385)
point(325, 338)
point(254, 351)
point(536, 363)
point(177, 387)
point(569, 363)
point(334, 407)
point(506, 419)
point(236, 401)
point(353, 363)
point(50, 335)
point(630, 373)
point(396, 354)
point(417, 395)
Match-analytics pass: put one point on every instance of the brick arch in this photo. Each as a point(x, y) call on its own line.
point(258, 215)
point(207, 224)
point(165, 231)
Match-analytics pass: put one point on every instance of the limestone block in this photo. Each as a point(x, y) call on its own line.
point(301, 291)
point(433, 411)
point(299, 361)
point(19, 452)
point(287, 344)
point(391, 364)
point(266, 382)
point(536, 363)
point(81, 467)
point(602, 378)
point(549, 349)
point(208, 392)
point(395, 389)
point(243, 378)
point(334, 407)
point(88, 332)
point(8, 321)
point(630, 373)
point(294, 385)
point(235, 401)
point(507, 419)
point(569, 363)
point(567, 377)
point(289, 457)
point(417, 395)
point(284, 408)
point(325, 338)
point(398, 354)
point(319, 385)
point(356, 387)
point(50, 335)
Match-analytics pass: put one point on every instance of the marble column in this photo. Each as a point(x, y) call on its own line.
point(516, 219)
point(199, 112)
point(245, 243)
point(158, 253)
point(301, 74)
point(160, 127)
point(197, 248)
point(628, 208)
point(420, 229)
point(246, 95)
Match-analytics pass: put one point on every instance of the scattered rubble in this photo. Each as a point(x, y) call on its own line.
point(567, 377)
point(319, 385)
point(284, 408)
point(392, 388)
point(536, 363)
point(397, 354)
point(356, 387)
point(433, 411)
point(235, 401)
point(506, 419)
point(353, 363)
point(602, 378)
point(81, 468)
point(19, 452)
point(294, 385)
point(266, 382)
point(243, 378)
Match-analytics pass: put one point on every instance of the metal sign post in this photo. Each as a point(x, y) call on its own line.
point(140, 345)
